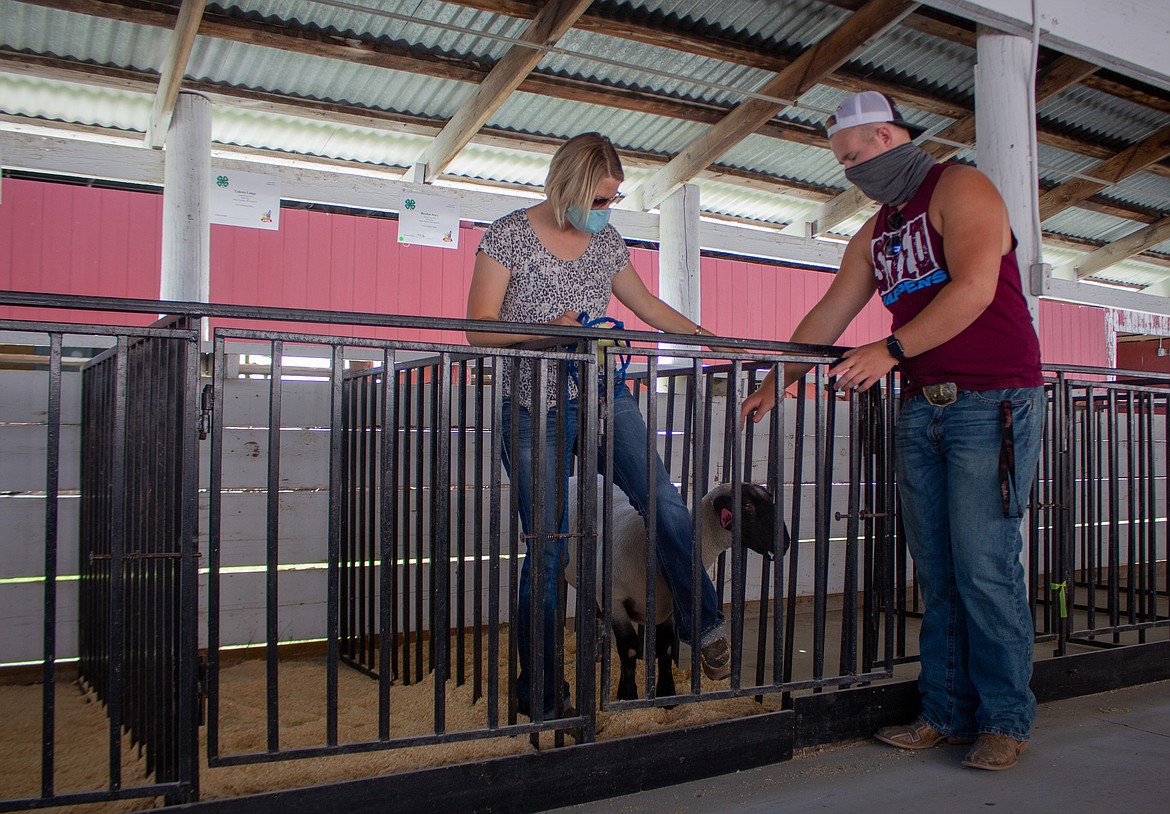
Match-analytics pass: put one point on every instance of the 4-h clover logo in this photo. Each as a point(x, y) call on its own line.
point(409, 203)
point(221, 181)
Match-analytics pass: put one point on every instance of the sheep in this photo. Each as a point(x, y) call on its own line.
point(628, 600)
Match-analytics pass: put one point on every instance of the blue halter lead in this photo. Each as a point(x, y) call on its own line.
point(623, 358)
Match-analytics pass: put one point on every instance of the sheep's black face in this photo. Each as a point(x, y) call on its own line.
point(756, 515)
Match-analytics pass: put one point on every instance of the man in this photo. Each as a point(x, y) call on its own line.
point(941, 253)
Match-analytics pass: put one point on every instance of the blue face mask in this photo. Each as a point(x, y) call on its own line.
point(593, 222)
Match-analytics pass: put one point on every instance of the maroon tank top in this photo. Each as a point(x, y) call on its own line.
point(999, 349)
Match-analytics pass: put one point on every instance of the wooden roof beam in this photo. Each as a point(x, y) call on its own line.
point(396, 58)
point(1132, 244)
point(506, 76)
point(852, 35)
point(1132, 160)
point(174, 68)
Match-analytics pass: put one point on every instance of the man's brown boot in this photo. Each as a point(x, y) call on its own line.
point(915, 735)
point(994, 752)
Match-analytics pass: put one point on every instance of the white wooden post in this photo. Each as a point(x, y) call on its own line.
point(1005, 138)
point(678, 253)
point(186, 232)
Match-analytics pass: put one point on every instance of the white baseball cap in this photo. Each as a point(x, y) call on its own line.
point(868, 107)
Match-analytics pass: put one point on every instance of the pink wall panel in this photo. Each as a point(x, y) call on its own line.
point(1072, 334)
point(79, 240)
point(645, 263)
point(759, 301)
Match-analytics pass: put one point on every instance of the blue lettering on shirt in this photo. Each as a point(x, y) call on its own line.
point(937, 277)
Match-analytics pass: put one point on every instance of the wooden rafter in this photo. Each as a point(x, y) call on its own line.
point(1132, 160)
point(506, 76)
point(853, 34)
point(390, 56)
point(174, 67)
point(357, 116)
point(1132, 244)
point(354, 115)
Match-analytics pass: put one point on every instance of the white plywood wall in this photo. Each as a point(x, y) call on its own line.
point(303, 512)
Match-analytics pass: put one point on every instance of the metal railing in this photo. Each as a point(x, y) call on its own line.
point(332, 543)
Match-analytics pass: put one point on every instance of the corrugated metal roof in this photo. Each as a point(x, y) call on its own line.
point(923, 63)
point(73, 102)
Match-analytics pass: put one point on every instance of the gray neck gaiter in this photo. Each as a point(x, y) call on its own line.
point(894, 176)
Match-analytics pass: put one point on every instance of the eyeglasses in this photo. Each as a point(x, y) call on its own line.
point(599, 203)
point(893, 244)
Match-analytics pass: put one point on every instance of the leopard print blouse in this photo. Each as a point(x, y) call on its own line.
point(542, 286)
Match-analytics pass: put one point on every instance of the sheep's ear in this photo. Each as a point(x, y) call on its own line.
point(723, 511)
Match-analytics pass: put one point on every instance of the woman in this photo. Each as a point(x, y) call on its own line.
point(548, 264)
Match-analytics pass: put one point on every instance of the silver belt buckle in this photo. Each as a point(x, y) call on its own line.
point(942, 394)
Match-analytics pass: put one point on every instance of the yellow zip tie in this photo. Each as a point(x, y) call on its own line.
point(1063, 588)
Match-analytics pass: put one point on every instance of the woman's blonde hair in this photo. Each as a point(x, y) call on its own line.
point(577, 168)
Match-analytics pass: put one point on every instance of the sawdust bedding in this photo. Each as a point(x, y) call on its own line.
point(83, 731)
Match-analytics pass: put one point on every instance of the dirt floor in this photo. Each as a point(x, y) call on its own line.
point(83, 731)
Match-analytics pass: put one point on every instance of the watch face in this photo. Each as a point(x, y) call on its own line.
point(895, 348)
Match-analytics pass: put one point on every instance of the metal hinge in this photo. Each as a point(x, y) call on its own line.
point(202, 682)
point(205, 402)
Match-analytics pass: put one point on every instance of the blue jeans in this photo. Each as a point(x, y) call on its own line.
point(976, 641)
point(629, 473)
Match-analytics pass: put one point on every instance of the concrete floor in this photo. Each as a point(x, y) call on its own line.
point(1098, 753)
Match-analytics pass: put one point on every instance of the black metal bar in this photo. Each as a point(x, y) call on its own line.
point(461, 525)
point(797, 502)
point(406, 471)
point(420, 547)
point(588, 428)
point(49, 648)
point(441, 533)
point(541, 535)
point(336, 497)
point(606, 401)
point(1114, 517)
point(118, 539)
point(825, 413)
point(495, 533)
point(370, 447)
point(388, 523)
point(26, 299)
point(214, 529)
point(516, 538)
point(477, 534)
point(187, 596)
point(738, 564)
point(272, 552)
point(848, 662)
point(651, 555)
point(702, 460)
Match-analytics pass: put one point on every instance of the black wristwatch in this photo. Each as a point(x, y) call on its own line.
point(895, 348)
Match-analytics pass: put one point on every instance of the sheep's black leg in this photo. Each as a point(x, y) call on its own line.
point(626, 638)
point(664, 638)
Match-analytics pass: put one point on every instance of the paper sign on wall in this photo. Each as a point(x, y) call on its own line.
point(245, 199)
point(429, 220)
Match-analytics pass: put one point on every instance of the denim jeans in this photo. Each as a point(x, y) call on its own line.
point(976, 641)
point(629, 472)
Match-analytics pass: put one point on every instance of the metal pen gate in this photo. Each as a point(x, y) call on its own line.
point(138, 550)
point(137, 561)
